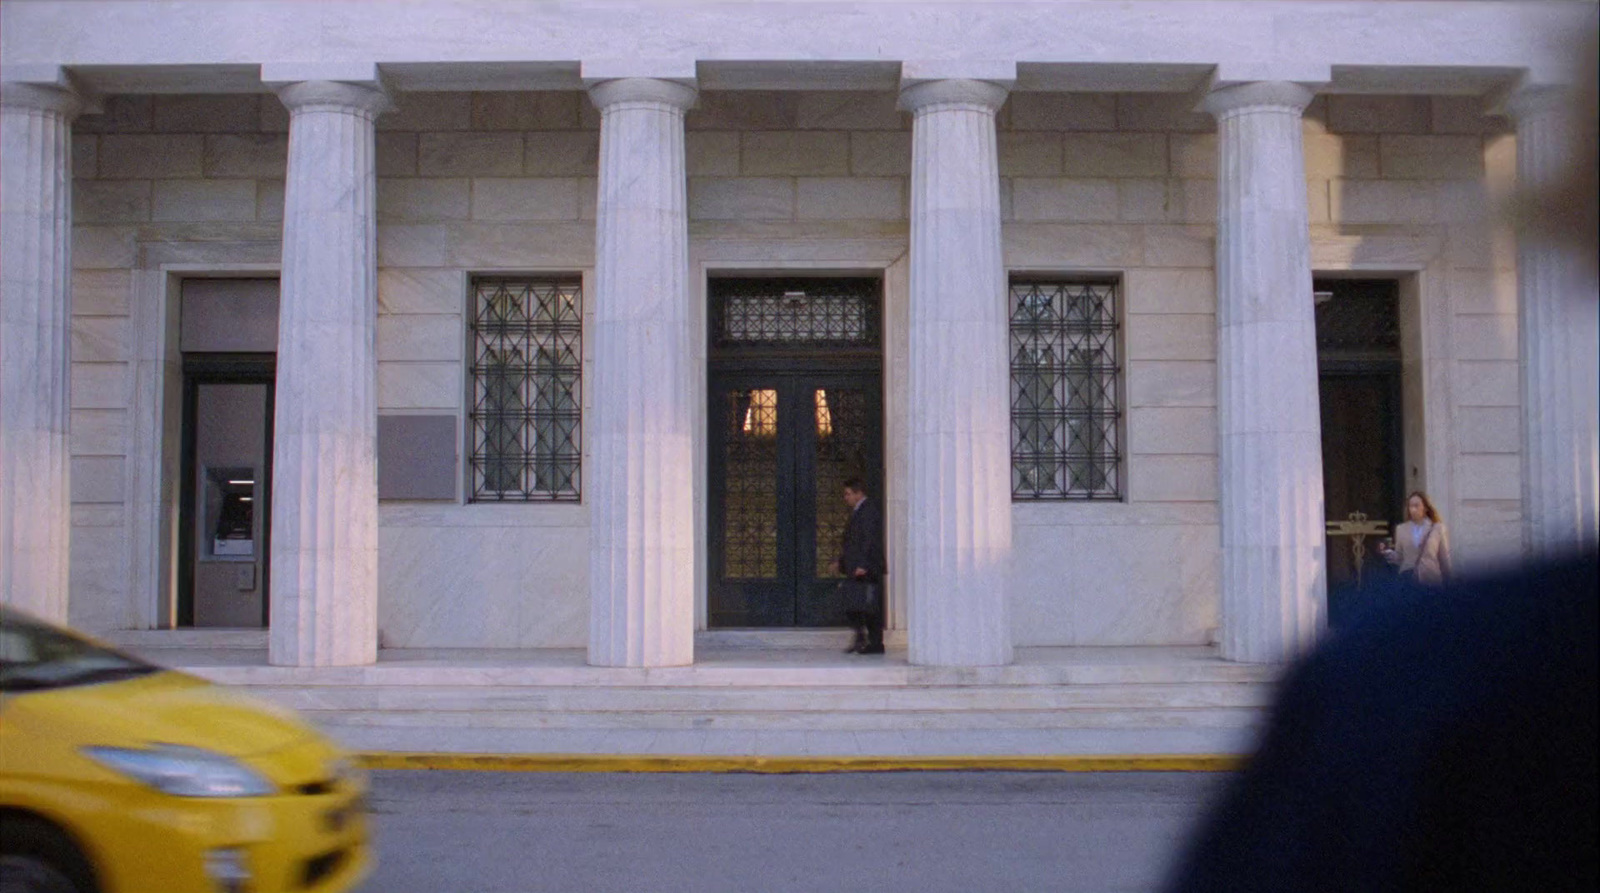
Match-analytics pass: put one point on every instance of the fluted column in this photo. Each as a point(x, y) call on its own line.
point(324, 457)
point(1556, 325)
point(959, 502)
point(1274, 576)
point(639, 489)
point(35, 366)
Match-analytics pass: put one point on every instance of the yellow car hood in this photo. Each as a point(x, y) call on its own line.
point(165, 707)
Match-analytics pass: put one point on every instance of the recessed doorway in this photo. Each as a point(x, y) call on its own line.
point(796, 399)
point(228, 336)
point(1363, 453)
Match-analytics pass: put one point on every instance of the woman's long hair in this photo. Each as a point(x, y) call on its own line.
point(1427, 506)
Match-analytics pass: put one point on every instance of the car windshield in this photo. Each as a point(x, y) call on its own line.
point(34, 656)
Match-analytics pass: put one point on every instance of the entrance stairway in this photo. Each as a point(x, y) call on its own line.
point(753, 696)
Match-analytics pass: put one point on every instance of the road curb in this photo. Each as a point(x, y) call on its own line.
point(488, 762)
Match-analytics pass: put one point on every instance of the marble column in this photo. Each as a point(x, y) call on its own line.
point(638, 483)
point(35, 366)
point(324, 458)
point(1274, 575)
point(959, 504)
point(1556, 325)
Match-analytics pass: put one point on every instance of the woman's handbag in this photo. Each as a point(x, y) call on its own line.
point(858, 595)
point(1410, 574)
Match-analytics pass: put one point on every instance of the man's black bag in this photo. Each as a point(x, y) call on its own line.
point(858, 595)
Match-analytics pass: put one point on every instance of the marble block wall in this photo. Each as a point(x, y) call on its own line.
point(1122, 185)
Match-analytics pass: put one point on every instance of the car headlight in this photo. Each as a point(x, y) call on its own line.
point(347, 770)
point(184, 771)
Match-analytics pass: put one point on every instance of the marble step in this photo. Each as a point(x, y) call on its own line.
point(782, 721)
point(828, 639)
point(453, 699)
point(140, 640)
point(569, 671)
point(890, 743)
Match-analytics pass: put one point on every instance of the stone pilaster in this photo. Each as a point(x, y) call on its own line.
point(1556, 326)
point(324, 458)
point(1274, 574)
point(638, 485)
point(35, 366)
point(960, 465)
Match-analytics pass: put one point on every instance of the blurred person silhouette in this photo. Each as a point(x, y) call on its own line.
point(1447, 738)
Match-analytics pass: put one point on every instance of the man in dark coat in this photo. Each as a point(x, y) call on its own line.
point(862, 559)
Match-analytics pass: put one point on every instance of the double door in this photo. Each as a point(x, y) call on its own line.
point(782, 445)
point(1362, 467)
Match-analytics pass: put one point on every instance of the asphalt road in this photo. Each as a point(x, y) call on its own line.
point(490, 832)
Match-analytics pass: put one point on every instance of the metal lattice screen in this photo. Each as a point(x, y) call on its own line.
point(750, 428)
point(1065, 371)
point(527, 339)
point(1358, 317)
point(795, 311)
point(844, 420)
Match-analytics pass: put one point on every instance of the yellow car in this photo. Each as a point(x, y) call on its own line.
point(117, 775)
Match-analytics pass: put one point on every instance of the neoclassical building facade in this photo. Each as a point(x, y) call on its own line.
point(462, 324)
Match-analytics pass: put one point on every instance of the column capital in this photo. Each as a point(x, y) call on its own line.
point(50, 98)
point(1529, 103)
point(988, 95)
point(1273, 95)
point(607, 93)
point(368, 100)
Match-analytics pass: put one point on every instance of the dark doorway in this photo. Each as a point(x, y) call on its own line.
point(795, 410)
point(1363, 463)
point(225, 517)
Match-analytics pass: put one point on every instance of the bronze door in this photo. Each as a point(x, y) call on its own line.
point(782, 445)
point(1361, 464)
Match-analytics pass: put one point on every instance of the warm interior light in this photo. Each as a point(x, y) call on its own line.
point(241, 482)
point(824, 415)
point(761, 416)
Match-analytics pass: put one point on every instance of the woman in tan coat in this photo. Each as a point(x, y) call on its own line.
point(1421, 547)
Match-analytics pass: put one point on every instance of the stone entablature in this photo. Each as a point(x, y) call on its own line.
point(1086, 45)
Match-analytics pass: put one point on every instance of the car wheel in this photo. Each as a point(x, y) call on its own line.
point(27, 874)
point(37, 858)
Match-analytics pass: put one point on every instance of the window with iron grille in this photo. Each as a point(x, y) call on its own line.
point(1065, 372)
point(527, 350)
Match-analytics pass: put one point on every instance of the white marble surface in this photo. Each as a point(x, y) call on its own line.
point(35, 366)
point(1274, 583)
point(959, 500)
point(641, 498)
point(1137, 579)
point(1181, 38)
point(1050, 701)
point(446, 581)
point(1558, 344)
point(324, 488)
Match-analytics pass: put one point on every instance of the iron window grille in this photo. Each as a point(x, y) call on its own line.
point(527, 338)
point(1065, 378)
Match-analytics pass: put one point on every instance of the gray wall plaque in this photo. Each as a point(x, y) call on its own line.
point(417, 457)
